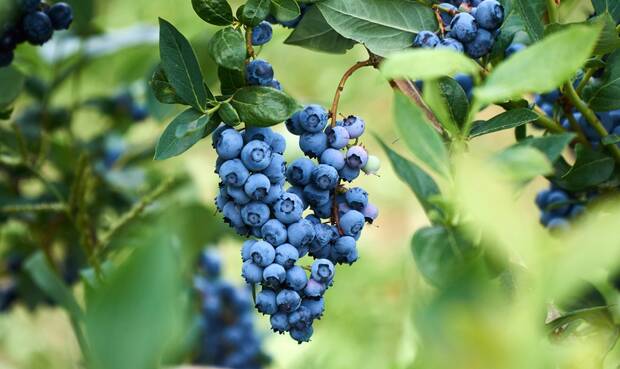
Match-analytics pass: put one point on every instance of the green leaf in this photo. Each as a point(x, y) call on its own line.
point(590, 169)
point(163, 90)
point(381, 25)
point(608, 41)
point(449, 102)
point(506, 120)
point(285, 10)
point(522, 163)
point(228, 114)
point(610, 6)
point(314, 33)
point(227, 48)
point(531, 12)
point(170, 144)
point(421, 138)
point(263, 106)
point(46, 278)
point(230, 80)
point(541, 67)
point(255, 11)
point(605, 96)
point(217, 12)
point(429, 64)
point(551, 145)
point(441, 255)
point(12, 82)
point(422, 185)
point(181, 66)
point(611, 139)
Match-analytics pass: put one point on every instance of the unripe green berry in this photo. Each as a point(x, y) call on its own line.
point(373, 165)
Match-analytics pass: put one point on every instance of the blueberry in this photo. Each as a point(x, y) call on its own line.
point(315, 307)
point(210, 262)
point(296, 278)
point(299, 172)
point(139, 113)
point(349, 174)
point(263, 254)
point(370, 212)
point(258, 134)
point(261, 34)
point(245, 249)
point(38, 28)
point(301, 234)
point(221, 200)
point(274, 275)
point(300, 318)
point(266, 302)
point(352, 223)
point(61, 16)
point(357, 198)
point(453, 44)
point(325, 177)
point(490, 14)
point(302, 335)
point(322, 270)
point(286, 255)
point(256, 155)
point(343, 247)
point(255, 214)
point(337, 137)
point(315, 196)
point(217, 133)
point(558, 223)
point(278, 143)
point(259, 72)
point(354, 125)
point(293, 125)
point(274, 83)
point(289, 208)
point(276, 170)
point(313, 118)
point(513, 49)
point(288, 300)
point(446, 12)
point(313, 144)
point(314, 288)
point(548, 109)
point(481, 45)
point(279, 322)
point(324, 235)
point(558, 203)
point(257, 186)
point(373, 165)
point(6, 58)
point(228, 144)
point(275, 191)
point(426, 39)
point(323, 211)
point(234, 173)
point(9, 40)
point(313, 219)
point(232, 215)
point(463, 27)
point(238, 195)
point(251, 272)
point(333, 158)
point(299, 191)
point(542, 199)
point(356, 157)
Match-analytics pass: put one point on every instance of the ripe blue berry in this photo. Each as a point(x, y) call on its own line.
point(232, 215)
point(314, 288)
point(302, 335)
point(286, 255)
point(228, 144)
point(333, 158)
point(325, 177)
point(296, 278)
point(37, 27)
point(299, 172)
point(513, 49)
point(463, 27)
point(490, 14)
point(349, 174)
point(300, 318)
point(279, 322)
point(251, 272)
point(323, 211)
point(278, 143)
point(261, 34)
point(288, 300)
point(293, 125)
point(258, 134)
point(481, 45)
point(322, 270)
point(262, 253)
point(315, 307)
point(276, 169)
point(337, 137)
point(352, 223)
point(315, 196)
point(558, 203)
point(371, 213)
point(245, 249)
point(259, 73)
point(234, 173)
point(558, 224)
point(61, 16)
point(274, 275)
point(313, 144)
point(210, 262)
point(344, 247)
point(446, 11)
point(289, 208)
point(255, 214)
point(299, 191)
point(426, 39)
point(266, 302)
point(257, 186)
point(453, 44)
point(238, 195)
point(356, 157)
point(274, 232)
point(301, 234)
point(275, 191)
point(256, 155)
point(313, 118)
point(357, 198)
point(354, 125)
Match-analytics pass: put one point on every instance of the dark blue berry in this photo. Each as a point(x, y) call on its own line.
point(61, 16)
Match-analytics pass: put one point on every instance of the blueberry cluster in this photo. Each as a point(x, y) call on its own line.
point(36, 24)
point(558, 207)
point(226, 321)
point(471, 27)
point(259, 72)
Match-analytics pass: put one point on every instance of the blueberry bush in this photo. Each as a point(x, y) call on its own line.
point(506, 130)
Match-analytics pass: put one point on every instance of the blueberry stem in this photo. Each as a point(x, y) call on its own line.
point(591, 118)
point(586, 78)
point(248, 44)
point(333, 113)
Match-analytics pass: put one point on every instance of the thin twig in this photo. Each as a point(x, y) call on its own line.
point(408, 88)
point(343, 81)
point(248, 44)
point(34, 208)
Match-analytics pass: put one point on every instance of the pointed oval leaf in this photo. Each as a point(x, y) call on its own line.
point(217, 12)
point(507, 120)
point(170, 144)
point(227, 48)
point(314, 33)
point(255, 11)
point(426, 64)
point(263, 106)
point(285, 10)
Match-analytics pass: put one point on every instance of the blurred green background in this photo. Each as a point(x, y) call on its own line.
point(370, 310)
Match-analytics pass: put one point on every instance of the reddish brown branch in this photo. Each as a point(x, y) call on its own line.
point(333, 113)
point(408, 88)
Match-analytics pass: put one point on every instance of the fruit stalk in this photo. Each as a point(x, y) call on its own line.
point(343, 81)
